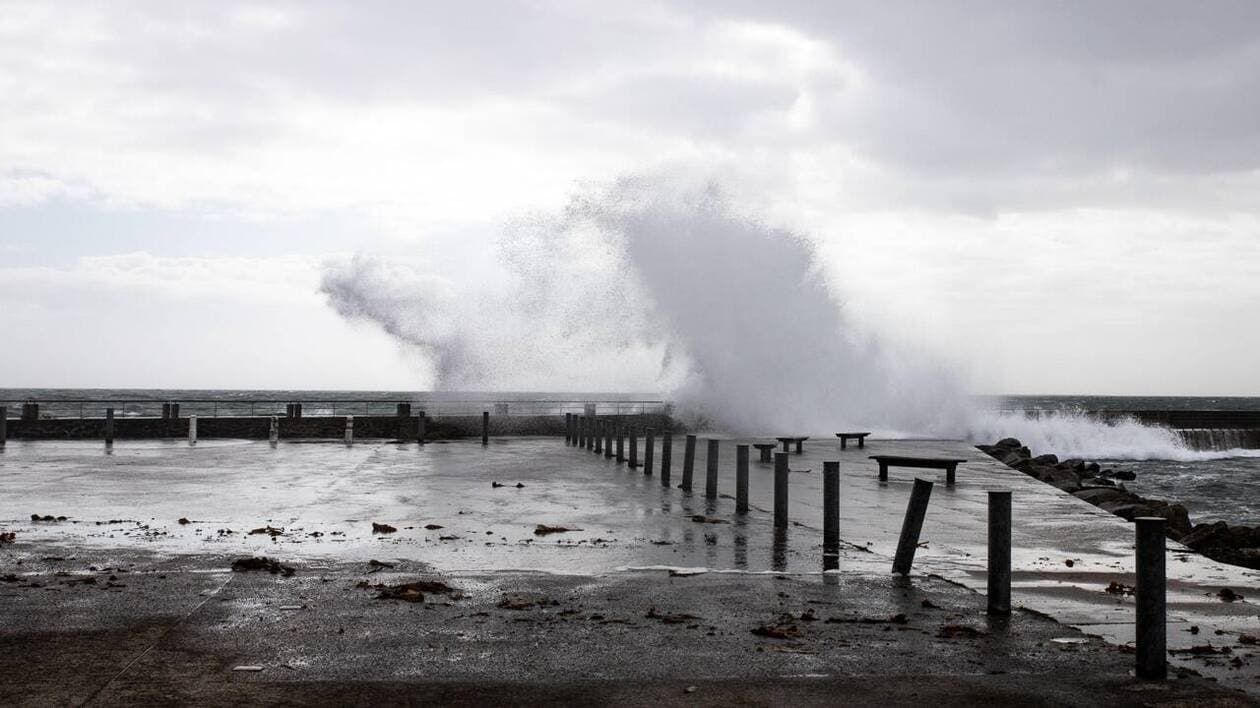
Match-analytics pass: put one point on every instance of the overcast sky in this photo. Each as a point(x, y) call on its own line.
point(1056, 197)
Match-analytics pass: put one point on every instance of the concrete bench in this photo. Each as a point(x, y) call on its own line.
point(765, 449)
point(846, 437)
point(788, 441)
point(939, 463)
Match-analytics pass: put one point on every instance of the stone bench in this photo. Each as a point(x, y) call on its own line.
point(846, 437)
point(787, 441)
point(765, 449)
point(939, 463)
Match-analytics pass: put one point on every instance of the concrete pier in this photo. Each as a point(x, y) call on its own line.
point(689, 462)
point(667, 450)
point(649, 449)
point(711, 470)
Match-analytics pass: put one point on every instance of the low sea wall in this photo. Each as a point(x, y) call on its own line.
point(313, 427)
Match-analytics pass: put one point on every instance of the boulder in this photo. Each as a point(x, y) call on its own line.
point(1097, 482)
point(1014, 459)
point(1097, 496)
point(1063, 479)
point(1009, 443)
point(1046, 459)
point(1123, 474)
point(1092, 467)
point(1207, 535)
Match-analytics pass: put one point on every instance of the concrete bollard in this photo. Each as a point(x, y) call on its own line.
point(349, 430)
point(634, 448)
point(1152, 639)
point(192, 430)
point(422, 427)
point(689, 462)
point(781, 473)
point(608, 439)
point(913, 524)
point(711, 471)
point(649, 445)
point(109, 426)
point(741, 479)
point(597, 429)
point(831, 507)
point(4, 424)
point(999, 552)
point(667, 451)
point(621, 441)
point(273, 433)
point(485, 427)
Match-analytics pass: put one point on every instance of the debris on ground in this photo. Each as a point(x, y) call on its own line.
point(898, 618)
point(1248, 639)
point(495, 485)
point(1115, 588)
point(543, 529)
point(410, 592)
point(378, 566)
point(1069, 562)
point(8, 537)
point(269, 530)
point(183, 521)
point(670, 618)
point(929, 605)
point(519, 485)
point(783, 628)
point(1228, 595)
point(523, 602)
point(382, 528)
point(433, 527)
point(1201, 649)
point(47, 517)
point(702, 519)
point(272, 566)
point(958, 631)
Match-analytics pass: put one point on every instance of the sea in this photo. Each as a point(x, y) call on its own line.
point(1214, 485)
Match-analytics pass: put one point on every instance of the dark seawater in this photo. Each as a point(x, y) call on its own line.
point(1214, 485)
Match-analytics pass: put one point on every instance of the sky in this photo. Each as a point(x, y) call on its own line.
point(1051, 197)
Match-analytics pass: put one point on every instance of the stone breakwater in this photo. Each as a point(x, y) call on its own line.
point(1104, 488)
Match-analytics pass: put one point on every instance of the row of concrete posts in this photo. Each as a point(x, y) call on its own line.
point(599, 435)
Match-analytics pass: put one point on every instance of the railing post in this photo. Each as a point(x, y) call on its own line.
point(831, 507)
point(741, 479)
point(781, 473)
point(912, 525)
point(192, 430)
point(999, 552)
point(649, 445)
point(689, 462)
point(1152, 659)
point(711, 471)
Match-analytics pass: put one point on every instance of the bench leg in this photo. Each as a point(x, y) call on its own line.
point(883, 471)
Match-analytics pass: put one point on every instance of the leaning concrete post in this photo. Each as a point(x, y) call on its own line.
point(485, 427)
point(349, 430)
point(621, 442)
point(4, 424)
point(689, 462)
point(781, 473)
point(741, 479)
point(711, 471)
point(913, 524)
point(422, 425)
point(109, 426)
point(999, 552)
point(1151, 629)
point(192, 430)
point(273, 432)
point(649, 445)
point(667, 451)
point(831, 507)
point(634, 448)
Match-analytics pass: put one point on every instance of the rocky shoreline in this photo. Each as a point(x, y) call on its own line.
point(1104, 488)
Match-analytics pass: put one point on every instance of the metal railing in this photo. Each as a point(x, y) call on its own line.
point(217, 408)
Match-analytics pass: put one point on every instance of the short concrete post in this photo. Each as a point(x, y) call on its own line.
point(741, 479)
point(422, 427)
point(999, 552)
point(109, 426)
point(667, 451)
point(608, 439)
point(4, 424)
point(192, 430)
point(485, 427)
point(649, 445)
point(689, 462)
point(912, 525)
point(1152, 640)
point(634, 448)
point(349, 430)
point(831, 507)
point(273, 433)
point(568, 427)
point(621, 441)
point(781, 473)
point(598, 432)
point(711, 471)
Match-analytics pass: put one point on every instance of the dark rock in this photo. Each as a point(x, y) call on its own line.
point(1048, 459)
point(1091, 482)
point(1124, 475)
point(1063, 479)
point(1008, 443)
point(1207, 535)
point(1098, 496)
point(1092, 467)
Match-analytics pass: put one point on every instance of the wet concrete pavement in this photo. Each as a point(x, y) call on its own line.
point(124, 507)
